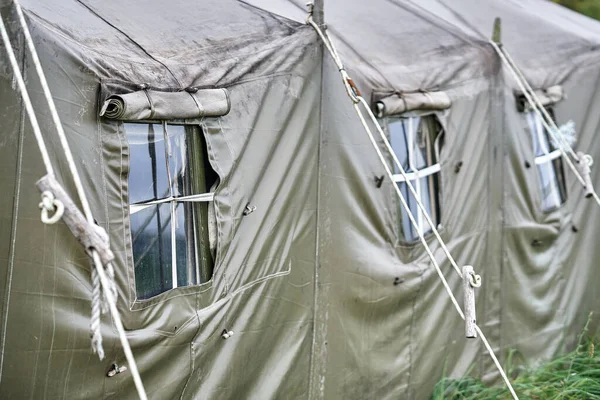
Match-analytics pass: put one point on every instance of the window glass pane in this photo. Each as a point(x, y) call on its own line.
point(538, 133)
point(550, 173)
point(178, 143)
point(551, 197)
point(185, 248)
point(413, 141)
point(399, 142)
point(417, 157)
point(148, 178)
point(151, 239)
point(152, 159)
point(421, 186)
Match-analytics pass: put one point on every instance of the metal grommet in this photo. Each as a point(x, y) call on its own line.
point(115, 369)
point(249, 209)
point(226, 334)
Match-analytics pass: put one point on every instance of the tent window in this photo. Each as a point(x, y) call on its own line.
point(549, 164)
point(416, 142)
point(169, 206)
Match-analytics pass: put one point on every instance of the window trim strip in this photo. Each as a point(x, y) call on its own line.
point(435, 168)
point(548, 157)
point(193, 198)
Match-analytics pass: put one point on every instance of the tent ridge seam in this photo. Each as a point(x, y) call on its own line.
point(130, 38)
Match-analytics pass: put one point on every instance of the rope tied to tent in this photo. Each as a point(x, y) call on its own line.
point(351, 88)
point(584, 164)
point(91, 236)
point(581, 171)
point(474, 280)
point(98, 306)
point(49, 205)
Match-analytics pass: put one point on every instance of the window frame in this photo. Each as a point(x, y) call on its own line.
point(432, 171)
point(201, 237)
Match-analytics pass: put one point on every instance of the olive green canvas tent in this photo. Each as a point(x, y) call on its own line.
point(260, 250)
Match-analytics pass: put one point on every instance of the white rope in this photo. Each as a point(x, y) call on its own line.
point(95, 319)
point(537, 101)
point(106, 284)
point(407, 208)
point(50, 204)
point(357, 98)
point(26, 100)
point(545, 117)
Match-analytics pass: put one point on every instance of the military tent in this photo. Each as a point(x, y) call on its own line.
point(260, 250)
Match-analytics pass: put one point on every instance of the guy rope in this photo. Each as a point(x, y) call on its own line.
point(469, 277)
point(56, 201)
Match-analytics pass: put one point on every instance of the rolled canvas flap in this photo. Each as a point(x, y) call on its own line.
point(399, 103)
point(151, 104)
point(547, 97)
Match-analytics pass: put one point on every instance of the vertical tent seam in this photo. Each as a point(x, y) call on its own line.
point(106, 277)
point(313, 356)
point(11, 258)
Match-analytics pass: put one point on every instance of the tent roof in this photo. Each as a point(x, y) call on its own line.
point(390, 44)
point(537, 33)
point(169, 35)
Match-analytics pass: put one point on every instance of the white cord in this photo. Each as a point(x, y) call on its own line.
point(55, 118)
point(411, 187)
point(26, 100)
point(330, 46)
point(538, 102)
point(359, 99)
point(107, 287)
point(407, 208)
point(554, 132)
point(430, 254)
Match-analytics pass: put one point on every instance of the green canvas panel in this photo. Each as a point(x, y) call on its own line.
point(265, 260)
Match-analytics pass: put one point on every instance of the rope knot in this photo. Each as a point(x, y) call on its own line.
point(584, 163)
point(49, 205)
point(474, 280)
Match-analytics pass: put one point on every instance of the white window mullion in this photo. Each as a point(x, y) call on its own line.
point(168, 154)
point(411, 176)
point(548, 157)
point(196, 255)
point(134, 208)
point(174, 243)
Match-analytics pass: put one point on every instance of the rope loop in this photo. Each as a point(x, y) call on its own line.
point(589, 160)
point(50, 204)
point(475, 280)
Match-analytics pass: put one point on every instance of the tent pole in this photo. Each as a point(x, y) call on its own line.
point(318, 14)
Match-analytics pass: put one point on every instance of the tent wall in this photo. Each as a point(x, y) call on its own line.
point(387, 314)
point(265, 153)
point(549, 259)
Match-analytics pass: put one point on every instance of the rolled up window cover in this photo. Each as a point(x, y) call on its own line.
point(156, 105)
point(547, 97)
point(400, 102)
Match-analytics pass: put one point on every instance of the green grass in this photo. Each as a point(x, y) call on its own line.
point(572, 376)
